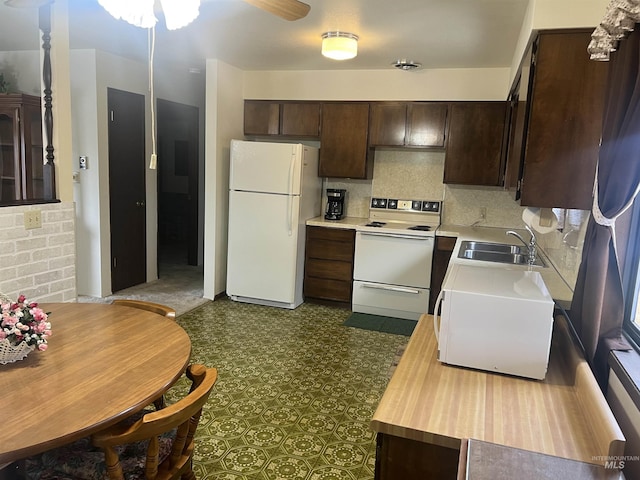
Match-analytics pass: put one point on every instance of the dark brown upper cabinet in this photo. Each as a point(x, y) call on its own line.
point(554, 144)
point(475, 143)
point(344, 140)
point(282, 118)
point(408, 124)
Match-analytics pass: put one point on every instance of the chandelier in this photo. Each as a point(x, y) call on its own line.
point(177, 13)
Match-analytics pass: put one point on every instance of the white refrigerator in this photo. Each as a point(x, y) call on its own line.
point(273, 189)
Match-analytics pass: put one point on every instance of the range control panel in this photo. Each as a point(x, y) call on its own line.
point(406, 205)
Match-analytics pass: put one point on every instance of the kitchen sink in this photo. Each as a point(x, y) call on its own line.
point(496, 252)
point(491, 247)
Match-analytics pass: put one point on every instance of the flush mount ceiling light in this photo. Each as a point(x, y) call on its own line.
point(339, 45)
point(406, 65)
point(177, 13)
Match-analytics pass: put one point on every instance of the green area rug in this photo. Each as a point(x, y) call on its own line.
point(397, 326)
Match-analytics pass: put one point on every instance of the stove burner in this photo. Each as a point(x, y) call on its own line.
point(423, 228)
point(375, 224)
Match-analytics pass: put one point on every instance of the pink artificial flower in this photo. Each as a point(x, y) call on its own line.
point(21, 299)
point(42, 347)
point(3, 335)
point(38, 314)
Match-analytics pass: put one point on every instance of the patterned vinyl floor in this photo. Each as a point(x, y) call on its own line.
point(295, 393)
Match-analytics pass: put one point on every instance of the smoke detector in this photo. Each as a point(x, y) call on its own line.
point(406, 65)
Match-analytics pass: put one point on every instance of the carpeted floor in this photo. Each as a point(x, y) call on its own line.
point(295, 394)
point(179, 286)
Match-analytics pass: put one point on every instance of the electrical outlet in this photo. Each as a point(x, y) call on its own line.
point(32, 219)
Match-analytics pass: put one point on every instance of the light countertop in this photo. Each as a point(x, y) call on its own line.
point(560, 291)
point(346, 222)
point(565, 415)
point(558, 288)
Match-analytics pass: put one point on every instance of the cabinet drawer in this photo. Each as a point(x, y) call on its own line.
point(327, 289)
point(328, 233)
point(330, 250)
point(330, 269)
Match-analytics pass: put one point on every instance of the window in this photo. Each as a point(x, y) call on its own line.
point(631, 278)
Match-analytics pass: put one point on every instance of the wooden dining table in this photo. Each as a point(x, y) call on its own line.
point(103, 363)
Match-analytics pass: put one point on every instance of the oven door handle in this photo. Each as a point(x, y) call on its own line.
point(397, 235)
point(390, 288)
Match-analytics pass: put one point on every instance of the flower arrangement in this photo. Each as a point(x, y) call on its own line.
point(24, 321)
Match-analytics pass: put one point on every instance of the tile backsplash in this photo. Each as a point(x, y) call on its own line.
point(414, 174)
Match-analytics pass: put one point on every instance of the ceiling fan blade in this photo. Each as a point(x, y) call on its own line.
point(287, 9)
point(26, 3)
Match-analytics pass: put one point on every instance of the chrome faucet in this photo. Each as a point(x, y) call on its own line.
point(531, 245)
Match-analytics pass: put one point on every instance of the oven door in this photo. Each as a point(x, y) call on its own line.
point(394, 259)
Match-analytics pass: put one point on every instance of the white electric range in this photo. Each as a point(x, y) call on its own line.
point(393, 256)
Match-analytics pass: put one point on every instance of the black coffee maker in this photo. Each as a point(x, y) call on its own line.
point(335, 204)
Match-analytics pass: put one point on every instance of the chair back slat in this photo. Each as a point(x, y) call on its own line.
point(184, 415)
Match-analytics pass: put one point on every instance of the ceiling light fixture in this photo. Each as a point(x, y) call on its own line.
point(339, 45)
point(177, 13)
point(406, 65)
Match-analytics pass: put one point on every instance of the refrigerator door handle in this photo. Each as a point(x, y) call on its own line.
point(290, 196)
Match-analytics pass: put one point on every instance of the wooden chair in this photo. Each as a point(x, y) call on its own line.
point(149, 306)
point(157, 445)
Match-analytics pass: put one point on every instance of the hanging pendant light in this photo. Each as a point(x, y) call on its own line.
point(177, 13)
point(339, 45)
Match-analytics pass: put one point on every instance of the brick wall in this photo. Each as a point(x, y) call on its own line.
point(38, 262)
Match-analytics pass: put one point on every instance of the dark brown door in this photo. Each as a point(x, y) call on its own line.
point(387, 126)
point(474, 146)
point(177, 183)
point(344, 137)
point(127, 189)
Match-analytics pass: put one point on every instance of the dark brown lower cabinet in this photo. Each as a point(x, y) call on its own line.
point(441, 254)
point(402, 458)
point(328, 269)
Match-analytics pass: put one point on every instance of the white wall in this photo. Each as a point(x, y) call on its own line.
point(86, 190)
point(21, 70)
point(90, 126)
point(224, 122)
point(545, 14)
point(426, 84)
